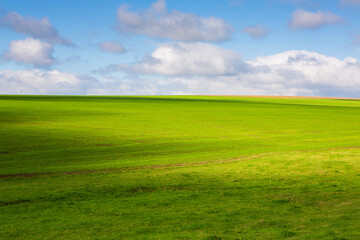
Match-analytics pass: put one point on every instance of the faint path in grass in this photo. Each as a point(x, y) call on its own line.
point(246, 158)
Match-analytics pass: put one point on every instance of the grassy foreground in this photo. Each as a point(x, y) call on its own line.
point(179, 168)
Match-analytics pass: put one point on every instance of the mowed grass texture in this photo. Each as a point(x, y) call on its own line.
point(179, 168)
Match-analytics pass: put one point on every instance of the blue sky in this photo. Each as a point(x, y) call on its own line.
point(275, 47)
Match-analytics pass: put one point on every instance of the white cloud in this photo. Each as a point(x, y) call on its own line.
point(302, 19)
point(30, 51)
point(159, 23)
point(182, 59)
point(256, 31)
point(37, 28)
point(320, 74)
point(350, 2)
point(113, 47)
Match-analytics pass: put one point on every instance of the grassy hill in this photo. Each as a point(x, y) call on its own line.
point(190, 167)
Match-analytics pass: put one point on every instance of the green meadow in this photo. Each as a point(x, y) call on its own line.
point(179, 167)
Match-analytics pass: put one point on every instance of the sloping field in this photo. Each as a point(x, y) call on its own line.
point(189, 167)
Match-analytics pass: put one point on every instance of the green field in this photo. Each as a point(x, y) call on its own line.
point(189, 167)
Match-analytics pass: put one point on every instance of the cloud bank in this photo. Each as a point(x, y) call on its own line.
point(42, 82)
point(201, 68)
point(159, 23)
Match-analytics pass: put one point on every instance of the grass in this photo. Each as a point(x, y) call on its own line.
point(179, 168)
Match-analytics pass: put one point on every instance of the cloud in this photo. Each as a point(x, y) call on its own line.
point(312, 72)
point(36, 28)
point(159, 23)
point(30, 51)
point(302, 19)
point(350, 2)
point(256, 31)
point(113, 47)
point(183, 59)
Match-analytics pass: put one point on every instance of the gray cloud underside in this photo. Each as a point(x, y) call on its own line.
point(256, 31)
point(159, 23)
point(37, 28)
point(302, 19)
point(112, 47)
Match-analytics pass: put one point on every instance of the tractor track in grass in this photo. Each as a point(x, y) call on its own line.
point(124, 169)
point(183, 164)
